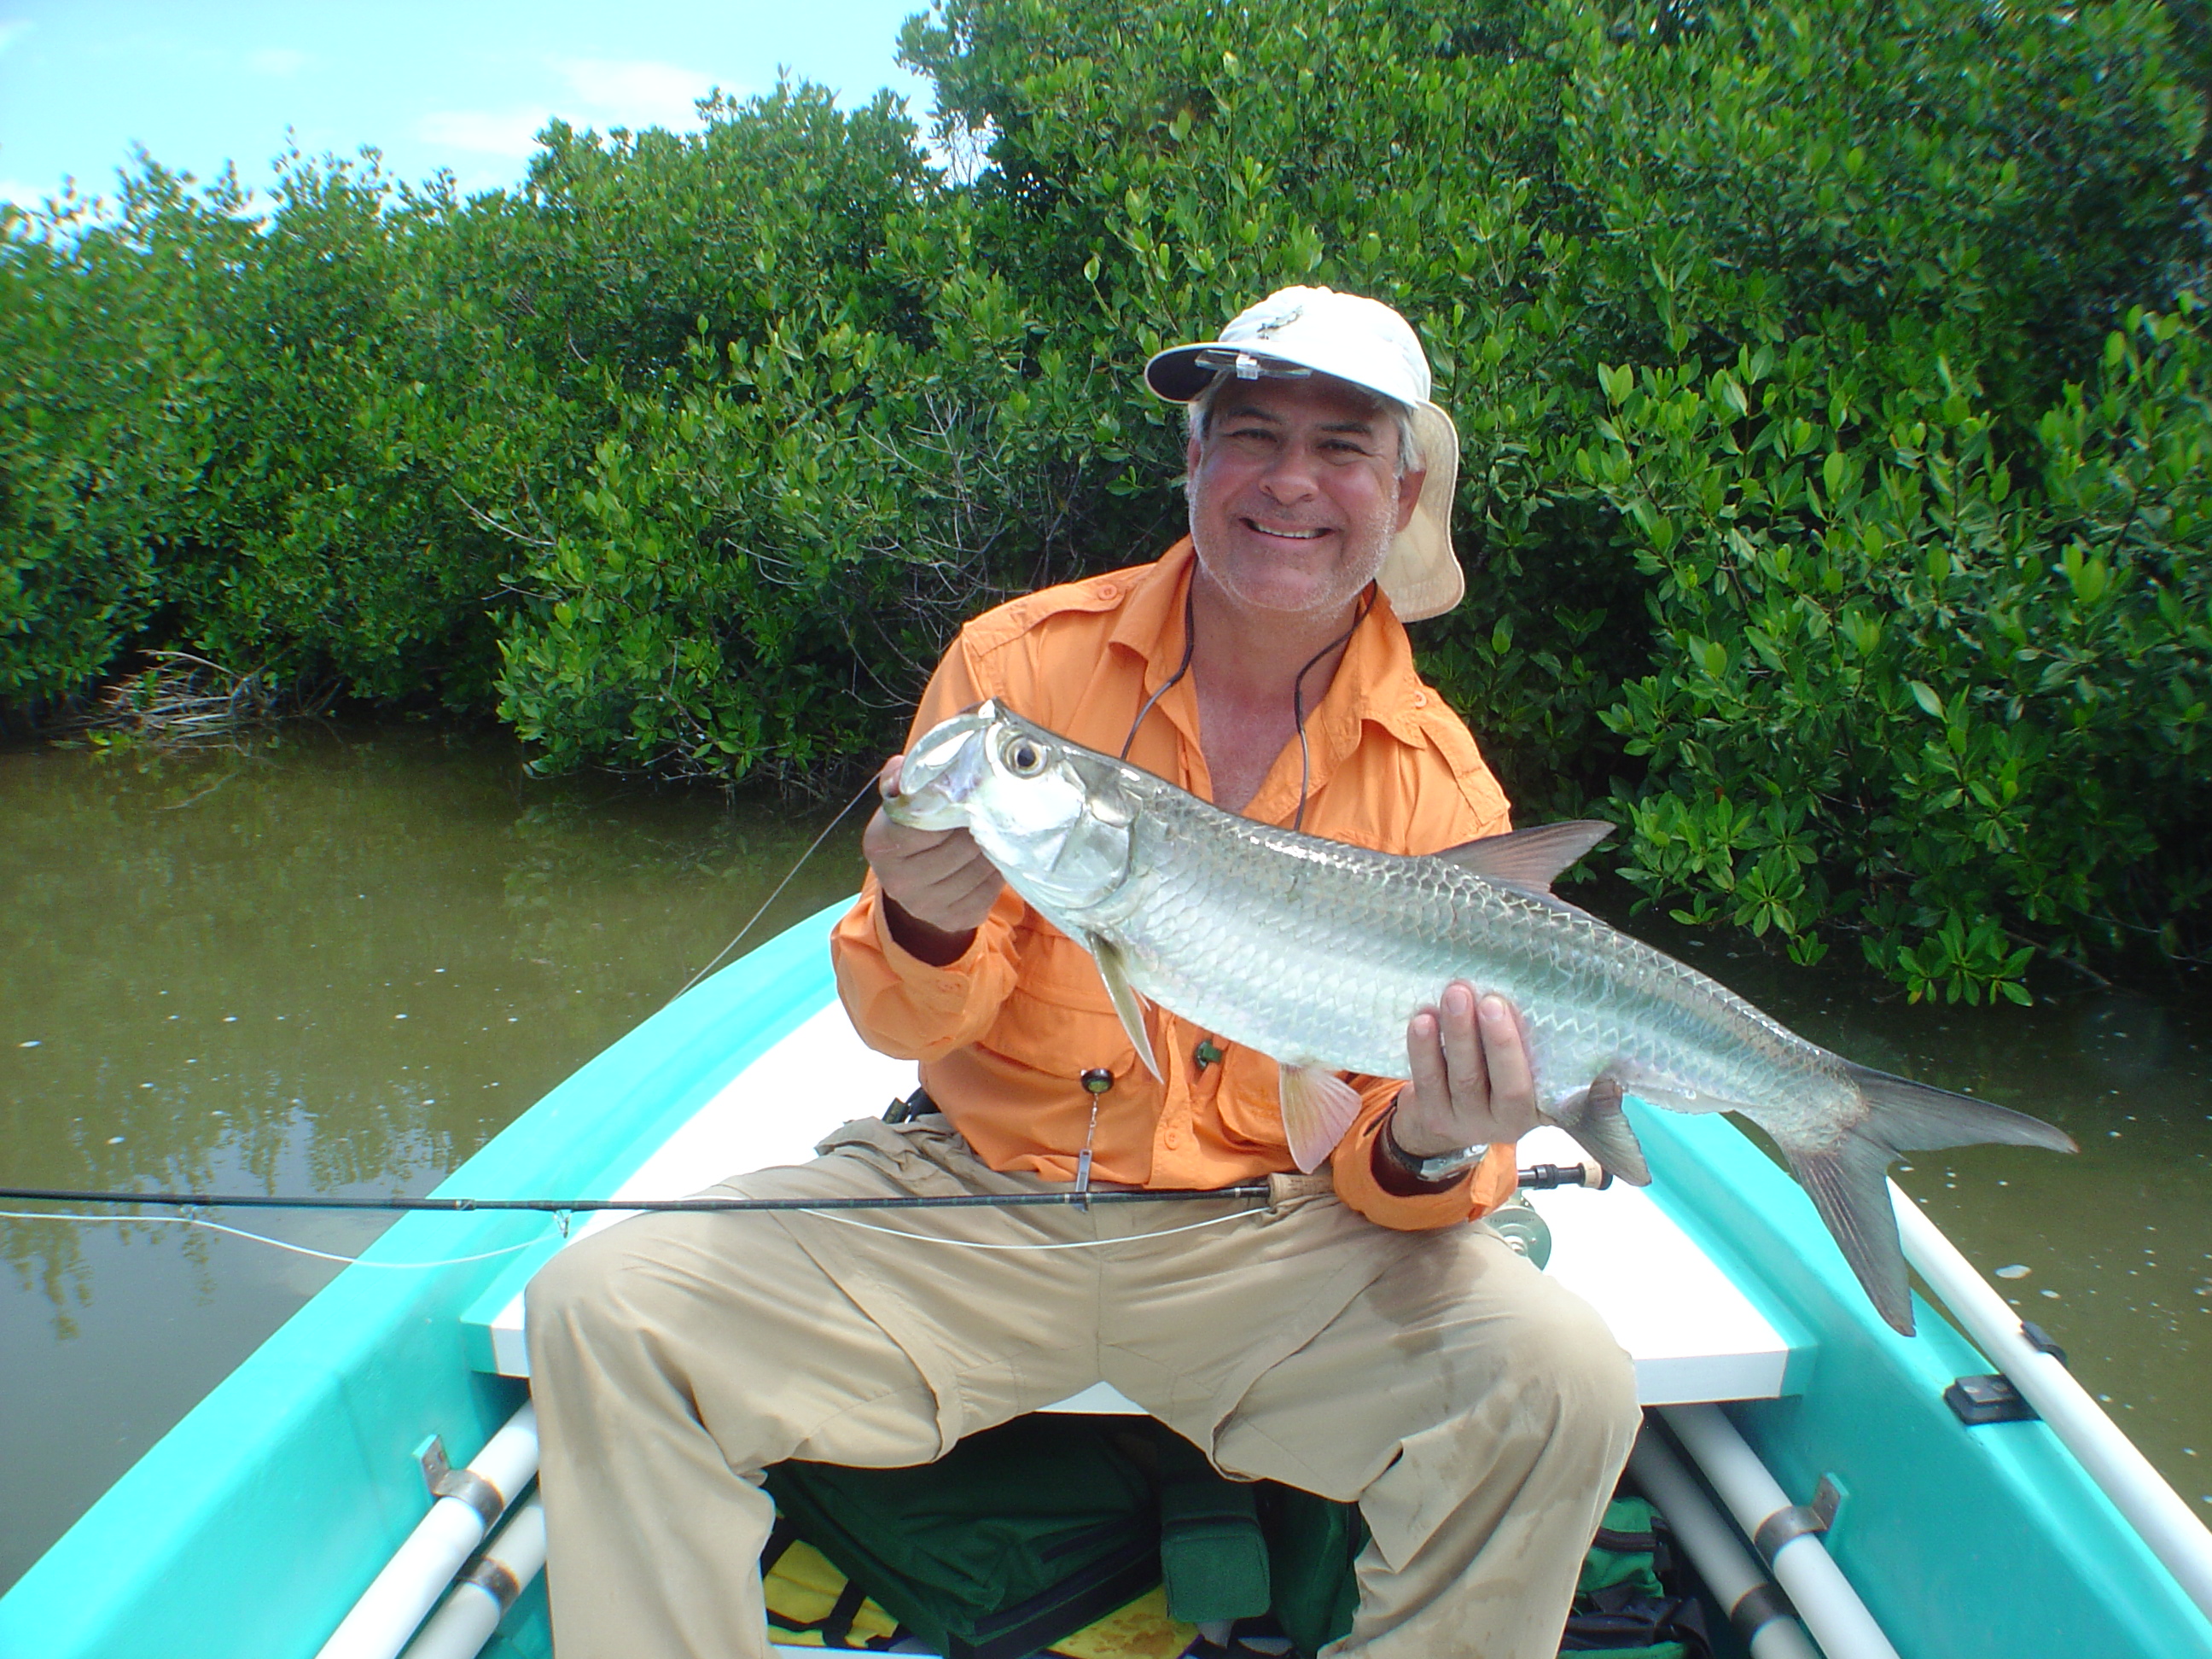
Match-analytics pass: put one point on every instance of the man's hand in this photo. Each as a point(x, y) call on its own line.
point(938, 886)
point(1471, 1082)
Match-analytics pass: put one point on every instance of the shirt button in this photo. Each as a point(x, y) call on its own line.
point(1421, 700)
point(1171, 1139)
point(1108, 591)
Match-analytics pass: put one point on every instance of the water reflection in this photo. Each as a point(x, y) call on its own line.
point(340, 964)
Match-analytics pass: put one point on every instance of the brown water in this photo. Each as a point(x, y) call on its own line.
point(342, 962)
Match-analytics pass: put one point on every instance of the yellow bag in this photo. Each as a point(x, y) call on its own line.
point(813, 1604)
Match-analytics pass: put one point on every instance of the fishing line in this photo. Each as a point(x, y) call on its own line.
point(812, 1208)
point(864, 790)
point(258, 1238)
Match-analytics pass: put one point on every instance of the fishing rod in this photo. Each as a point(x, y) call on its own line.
point(1539, 1177)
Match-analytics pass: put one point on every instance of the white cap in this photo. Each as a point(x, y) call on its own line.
point(1365, 343)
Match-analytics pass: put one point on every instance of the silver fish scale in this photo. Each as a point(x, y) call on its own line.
point(1316, 952)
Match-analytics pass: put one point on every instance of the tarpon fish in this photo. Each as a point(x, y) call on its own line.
point(1317, 955)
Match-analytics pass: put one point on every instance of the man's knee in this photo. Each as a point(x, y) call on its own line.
point(1562, 1351)
point(579, 1297)
point(1524, 1349)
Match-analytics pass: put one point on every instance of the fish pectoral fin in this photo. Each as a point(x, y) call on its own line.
point(1115, 973)
point(1595, 1119)
point(1318, 1108)
point(1529, 858)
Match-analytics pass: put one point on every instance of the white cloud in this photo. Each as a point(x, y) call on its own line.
point(602, 93)
point(279, 60)
point(636, 93)
point(511, 133)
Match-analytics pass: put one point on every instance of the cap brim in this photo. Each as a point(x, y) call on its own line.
point(1174, 374)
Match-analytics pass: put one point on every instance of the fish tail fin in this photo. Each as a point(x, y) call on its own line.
point(1915, 1117)
point(1595, 1119)
point(1850, 1183)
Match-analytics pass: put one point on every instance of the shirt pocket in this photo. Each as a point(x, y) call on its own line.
point(1247, 1100)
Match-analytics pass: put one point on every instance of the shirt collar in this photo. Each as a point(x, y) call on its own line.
point(1375, 682)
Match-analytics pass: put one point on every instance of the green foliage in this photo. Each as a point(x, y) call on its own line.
point(1831, 378)
point(1894, 687)
point(104, 427)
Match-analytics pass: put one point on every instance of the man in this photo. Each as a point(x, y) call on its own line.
point(1360, 1340)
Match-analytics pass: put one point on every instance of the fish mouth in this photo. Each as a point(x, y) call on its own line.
point(942, 772)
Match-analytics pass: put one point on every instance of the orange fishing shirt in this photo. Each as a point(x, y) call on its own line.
point(1005, 1034)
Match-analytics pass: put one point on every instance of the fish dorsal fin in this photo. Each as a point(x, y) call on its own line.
point(1115, 973)
point(1529, 858)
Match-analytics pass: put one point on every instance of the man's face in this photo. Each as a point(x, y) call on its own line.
point(1294, 493)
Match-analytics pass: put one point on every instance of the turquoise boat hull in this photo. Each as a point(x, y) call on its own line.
point(249, 1530)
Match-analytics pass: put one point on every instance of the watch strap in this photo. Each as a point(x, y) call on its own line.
point(1432, 1171)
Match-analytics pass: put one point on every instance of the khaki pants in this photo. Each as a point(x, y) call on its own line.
point(1477, 1411)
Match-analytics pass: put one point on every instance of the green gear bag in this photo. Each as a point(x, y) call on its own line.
point(1027, 1533)
point(1030, 1531)
point(1623, 1608)
point(1014, 1539)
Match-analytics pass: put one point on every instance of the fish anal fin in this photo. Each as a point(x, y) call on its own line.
point(1530, 859)
point(1595, 1119)
point(1318, 1108)
point(1115, 973)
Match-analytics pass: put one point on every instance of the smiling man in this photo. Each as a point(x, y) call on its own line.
point(1364, 1337)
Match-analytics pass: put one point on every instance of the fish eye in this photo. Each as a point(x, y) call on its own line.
point(1024, 757)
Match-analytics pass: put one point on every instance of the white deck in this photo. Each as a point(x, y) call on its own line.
point(1693, 1334)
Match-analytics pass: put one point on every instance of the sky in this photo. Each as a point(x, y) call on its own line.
point(460, 85)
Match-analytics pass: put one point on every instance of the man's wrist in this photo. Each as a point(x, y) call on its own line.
point(1431, 1173)
point(921, 940)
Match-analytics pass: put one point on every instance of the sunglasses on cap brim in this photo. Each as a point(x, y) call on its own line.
point(1246, 366)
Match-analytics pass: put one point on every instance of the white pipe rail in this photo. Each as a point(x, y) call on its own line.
point(1824, 1598)
point(2153, 1508)
point(396, 1601)
point(460, 1629)
point(1727, 1568)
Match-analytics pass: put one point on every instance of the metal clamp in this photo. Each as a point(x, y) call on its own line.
point(1758, 1607)
point(495, 1579)
point(1785, 1526)
point(444, 1480)
point(2039, 1340)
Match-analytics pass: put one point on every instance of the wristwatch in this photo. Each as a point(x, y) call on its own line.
point(1430, 1172)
